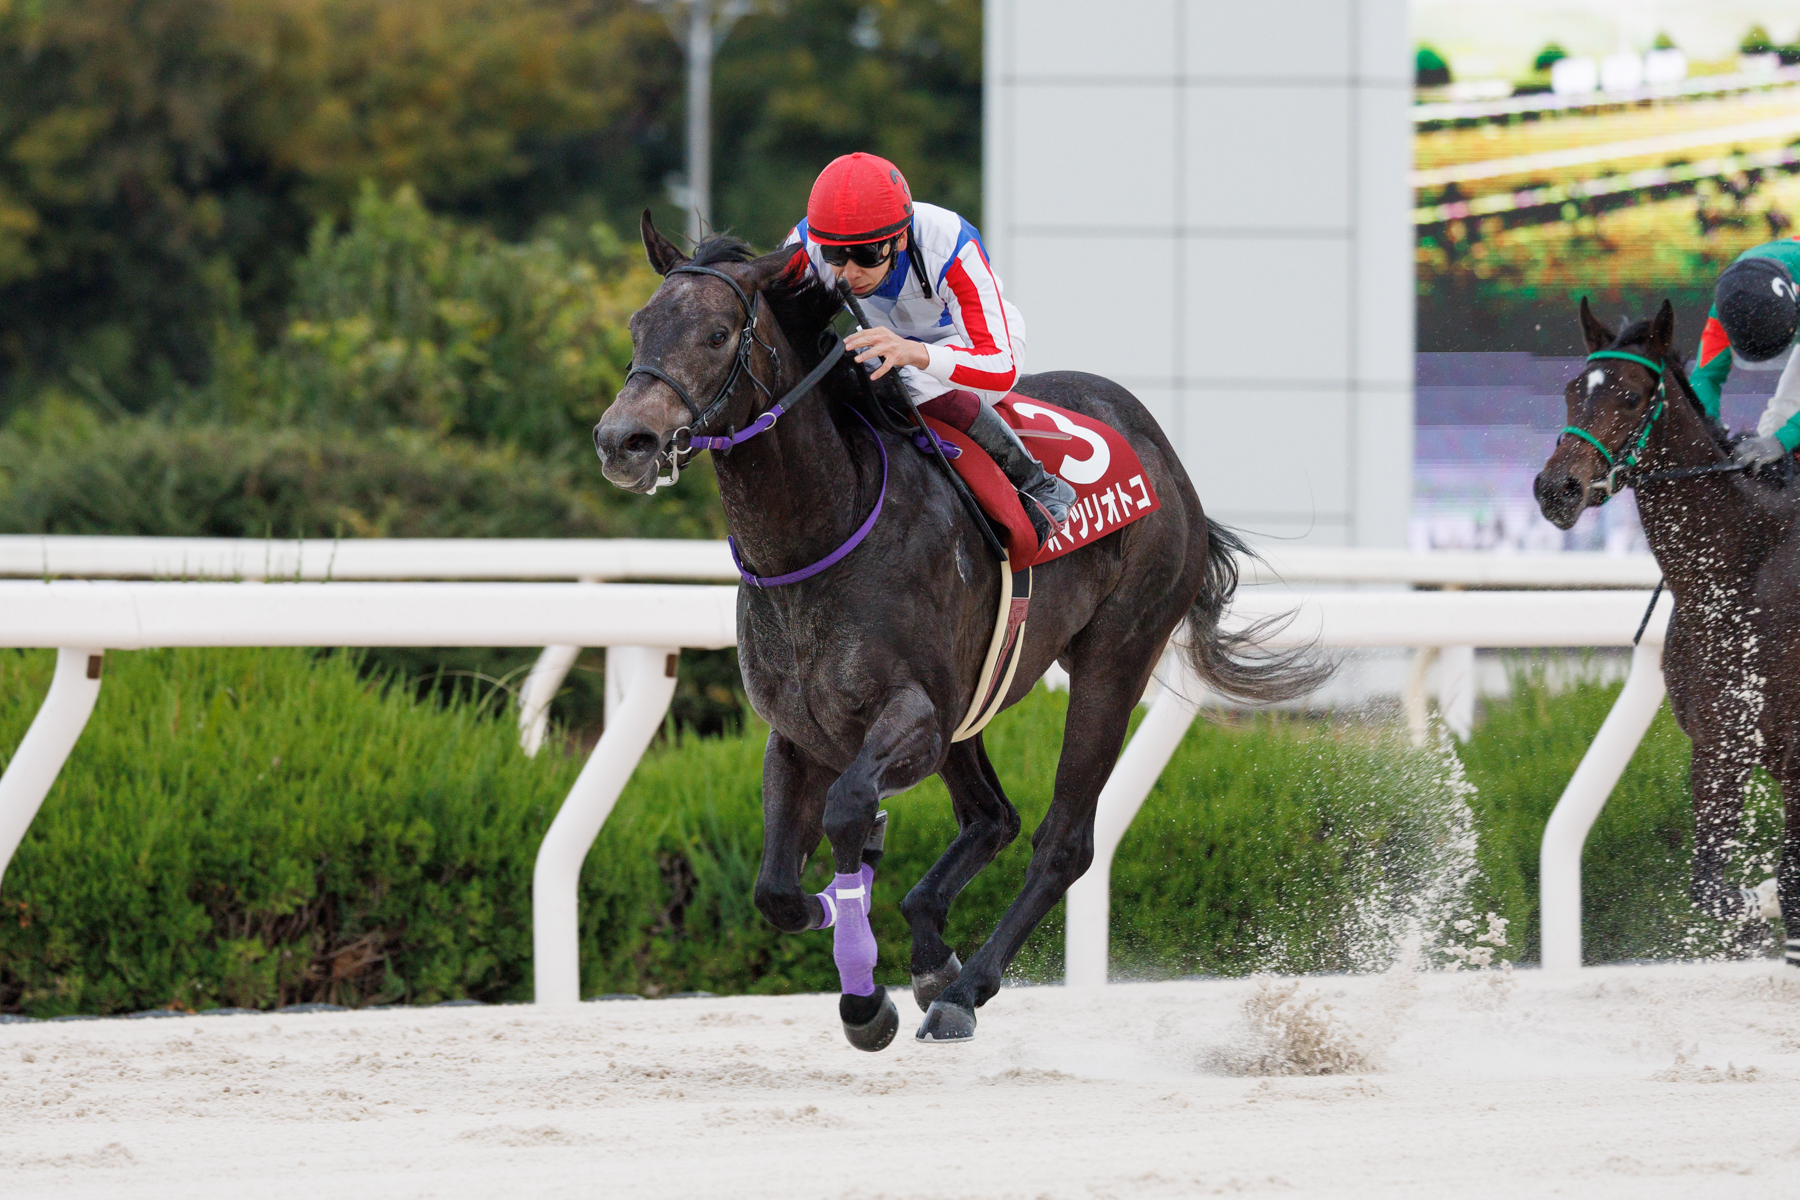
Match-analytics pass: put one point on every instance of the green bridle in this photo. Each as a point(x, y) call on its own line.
point(1642, 439)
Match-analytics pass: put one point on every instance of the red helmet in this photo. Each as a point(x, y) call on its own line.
point(858, 198)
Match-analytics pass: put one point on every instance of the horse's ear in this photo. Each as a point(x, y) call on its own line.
point(1594, 331)
point(1662, 333)
point(663, 255)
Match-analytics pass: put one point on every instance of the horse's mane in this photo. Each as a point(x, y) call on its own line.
point(1637, 334)
point(805, 308)
point(721, 248)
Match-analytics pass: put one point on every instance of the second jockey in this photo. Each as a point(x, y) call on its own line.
point(923, 279)
point(1752, 325)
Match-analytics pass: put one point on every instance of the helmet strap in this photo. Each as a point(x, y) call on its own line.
point(918, 262)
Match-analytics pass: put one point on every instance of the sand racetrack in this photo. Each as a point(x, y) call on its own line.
point(1624, 1081)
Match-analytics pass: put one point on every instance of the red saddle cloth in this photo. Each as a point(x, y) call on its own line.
point(1095, 459)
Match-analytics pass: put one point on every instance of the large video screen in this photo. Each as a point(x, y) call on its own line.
point(1622, 150)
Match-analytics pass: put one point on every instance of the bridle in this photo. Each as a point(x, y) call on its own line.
point(723, 443)
point(673, 451)
point(1624, 474)
point(1618, 475)
point(740, 366)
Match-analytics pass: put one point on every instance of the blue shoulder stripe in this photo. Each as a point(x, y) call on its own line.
point(968, 233)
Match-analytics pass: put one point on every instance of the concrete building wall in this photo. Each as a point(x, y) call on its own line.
point(1207, 202)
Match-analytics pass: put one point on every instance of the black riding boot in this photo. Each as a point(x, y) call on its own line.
point(1047, 498)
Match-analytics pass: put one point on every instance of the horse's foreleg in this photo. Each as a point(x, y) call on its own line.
point(901, 748)
point(794, 788)
point(1062, 847)
point(986, 823)
point(1718, 781)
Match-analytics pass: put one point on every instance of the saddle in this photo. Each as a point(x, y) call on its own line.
point(1110, 492)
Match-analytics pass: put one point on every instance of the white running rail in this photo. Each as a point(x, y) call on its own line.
point(34, 556)
point(37, 556)
point(644, 624)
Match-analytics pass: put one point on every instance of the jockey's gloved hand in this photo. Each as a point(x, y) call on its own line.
point(1758, 451)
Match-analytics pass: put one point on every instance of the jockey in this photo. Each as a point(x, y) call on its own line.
point(1754, 316)
point(923, 279)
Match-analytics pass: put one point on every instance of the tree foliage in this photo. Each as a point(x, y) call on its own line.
point(165, 161)
point(403, 318)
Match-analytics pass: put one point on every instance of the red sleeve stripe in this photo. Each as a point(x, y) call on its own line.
point(1713, 341)
point(986, 364)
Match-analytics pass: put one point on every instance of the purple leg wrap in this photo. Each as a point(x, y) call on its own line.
point(853, 942)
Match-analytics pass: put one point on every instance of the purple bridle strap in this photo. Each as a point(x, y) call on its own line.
point(830, 560)
point(767, 421)
point(762, 424)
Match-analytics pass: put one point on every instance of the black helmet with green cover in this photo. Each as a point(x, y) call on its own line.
point(1758, 306)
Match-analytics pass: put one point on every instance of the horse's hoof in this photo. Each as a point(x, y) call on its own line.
point(931, 984)
point(875, 1032)
point(947, 1022)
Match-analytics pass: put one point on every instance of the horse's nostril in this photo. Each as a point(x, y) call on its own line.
point(639, 443)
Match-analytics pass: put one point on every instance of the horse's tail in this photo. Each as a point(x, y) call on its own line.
point(1236, 664)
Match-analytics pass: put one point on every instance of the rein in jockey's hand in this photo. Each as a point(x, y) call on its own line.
point(894, 350)
point(1761, 450)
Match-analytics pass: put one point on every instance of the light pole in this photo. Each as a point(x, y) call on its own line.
point(700, 27)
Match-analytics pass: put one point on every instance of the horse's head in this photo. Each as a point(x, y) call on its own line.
point(1609, 405)
point(693, 346)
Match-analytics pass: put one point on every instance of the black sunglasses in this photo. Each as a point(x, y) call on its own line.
point(868, 254)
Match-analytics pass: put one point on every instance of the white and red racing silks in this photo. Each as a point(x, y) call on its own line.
point(974, 335)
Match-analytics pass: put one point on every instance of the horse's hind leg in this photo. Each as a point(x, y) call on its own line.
point(1100, 704)
point(986, 823)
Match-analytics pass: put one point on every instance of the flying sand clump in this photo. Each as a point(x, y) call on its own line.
point(1287, 1034)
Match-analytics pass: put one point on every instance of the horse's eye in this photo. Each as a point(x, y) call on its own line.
point(717, 339)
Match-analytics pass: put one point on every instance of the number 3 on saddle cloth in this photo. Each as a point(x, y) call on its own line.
point(1110, 492)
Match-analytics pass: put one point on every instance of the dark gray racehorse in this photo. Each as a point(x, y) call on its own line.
point(1727, 545)
point(864, 670)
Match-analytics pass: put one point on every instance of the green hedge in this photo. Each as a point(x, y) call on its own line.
point(64, 471)
point(261, 827)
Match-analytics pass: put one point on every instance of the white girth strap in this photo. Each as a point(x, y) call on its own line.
point(1002, 657)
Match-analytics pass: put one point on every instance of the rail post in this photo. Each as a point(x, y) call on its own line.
point(1456, 689)
point(555, 920)
point(540, 687)
point(1089, 899)
point(46, 745)
point(1559, 863)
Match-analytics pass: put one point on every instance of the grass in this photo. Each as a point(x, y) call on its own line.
point(262, 827)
